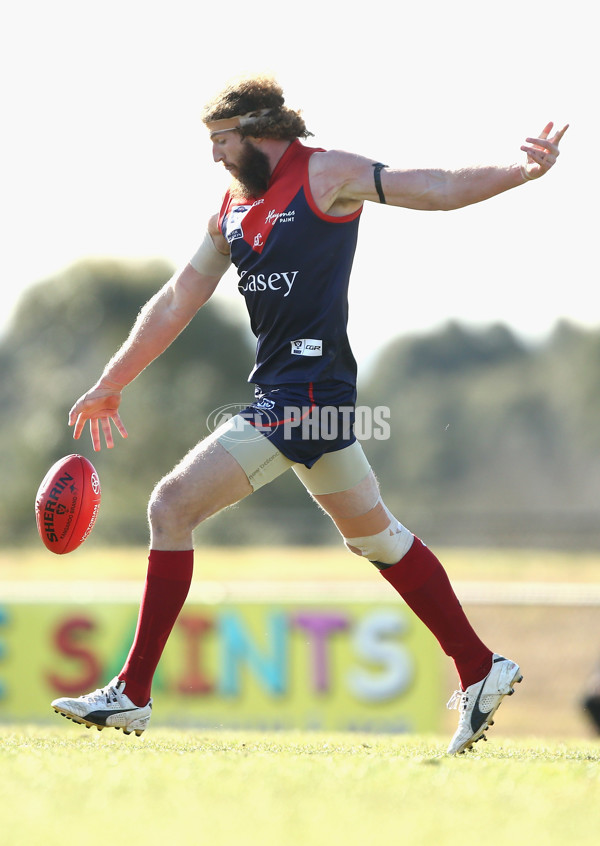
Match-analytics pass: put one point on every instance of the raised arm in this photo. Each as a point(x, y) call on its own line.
point(159, 322)
point(342, 181)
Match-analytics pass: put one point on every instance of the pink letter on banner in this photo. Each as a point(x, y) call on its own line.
point(319, 625)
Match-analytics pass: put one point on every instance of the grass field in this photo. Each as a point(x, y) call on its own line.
point(68, 785)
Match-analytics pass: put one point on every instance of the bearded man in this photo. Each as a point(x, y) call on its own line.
point(289, 223)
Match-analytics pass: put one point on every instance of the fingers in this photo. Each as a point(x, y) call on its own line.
point(95, 424)
point(558, 137)
point(119, 424)
point(74, 413)
point(545, 144)
point(542, 152)
point(79, 423)
point(544, 157)
point(95, 434)
point(541, 145)
point(99, 406)
point(105, 422)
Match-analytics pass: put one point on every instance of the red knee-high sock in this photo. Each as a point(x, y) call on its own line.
point(167, 584)
point(422, 582)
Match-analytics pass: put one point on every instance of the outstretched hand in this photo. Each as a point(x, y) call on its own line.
point(99, 405)
point(542, 152)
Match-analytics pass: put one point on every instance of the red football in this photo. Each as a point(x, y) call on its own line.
point(67, 503)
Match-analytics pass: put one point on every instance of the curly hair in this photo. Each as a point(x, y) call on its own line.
point(251, 94)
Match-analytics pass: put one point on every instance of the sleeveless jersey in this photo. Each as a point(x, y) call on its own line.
point(293, 263)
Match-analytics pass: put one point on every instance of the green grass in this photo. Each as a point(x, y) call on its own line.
point(68, 785)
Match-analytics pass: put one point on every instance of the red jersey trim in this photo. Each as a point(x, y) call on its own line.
point(283, 194)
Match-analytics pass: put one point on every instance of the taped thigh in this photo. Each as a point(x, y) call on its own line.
point(259, 458)
point(335, 471)
point(375, 534)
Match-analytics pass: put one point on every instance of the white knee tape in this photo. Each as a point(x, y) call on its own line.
point(385, 547)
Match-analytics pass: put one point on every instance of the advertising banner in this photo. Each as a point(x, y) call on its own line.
point(346, 666)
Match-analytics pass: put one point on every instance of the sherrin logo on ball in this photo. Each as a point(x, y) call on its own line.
point(67, 504)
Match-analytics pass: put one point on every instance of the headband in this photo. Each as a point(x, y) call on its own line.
point(237, 122)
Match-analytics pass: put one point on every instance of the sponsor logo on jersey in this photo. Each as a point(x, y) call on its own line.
point(283, 217)
point(257, 282)
point(307, 346)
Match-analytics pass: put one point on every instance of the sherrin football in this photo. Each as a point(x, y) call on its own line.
point(67, 503)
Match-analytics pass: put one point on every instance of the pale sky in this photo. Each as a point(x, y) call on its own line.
point(104, 153)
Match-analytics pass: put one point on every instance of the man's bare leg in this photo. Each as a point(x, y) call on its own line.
point(205, 481)
point(369, 529)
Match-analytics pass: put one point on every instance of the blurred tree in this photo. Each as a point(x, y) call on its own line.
point(64, 332)
point(488, 434)
point(492, 436)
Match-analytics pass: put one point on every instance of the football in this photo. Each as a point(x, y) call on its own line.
point(67, 504)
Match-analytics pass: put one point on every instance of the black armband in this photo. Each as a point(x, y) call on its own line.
point(377, 177)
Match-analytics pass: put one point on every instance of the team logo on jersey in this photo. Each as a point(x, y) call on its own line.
point(307, 346)
point(232, 225)
point(263, 403)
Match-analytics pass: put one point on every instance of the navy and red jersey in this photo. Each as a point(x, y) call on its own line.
point(294, 264)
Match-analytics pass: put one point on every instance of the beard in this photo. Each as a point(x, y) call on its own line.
point(253, 173)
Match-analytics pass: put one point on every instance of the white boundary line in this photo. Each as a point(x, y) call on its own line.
point(322, 592)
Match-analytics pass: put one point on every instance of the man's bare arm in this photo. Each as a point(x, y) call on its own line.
point(342, 181)
point(159, 322)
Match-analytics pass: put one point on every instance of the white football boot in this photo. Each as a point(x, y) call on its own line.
point(480, 701)
point(107, 707)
